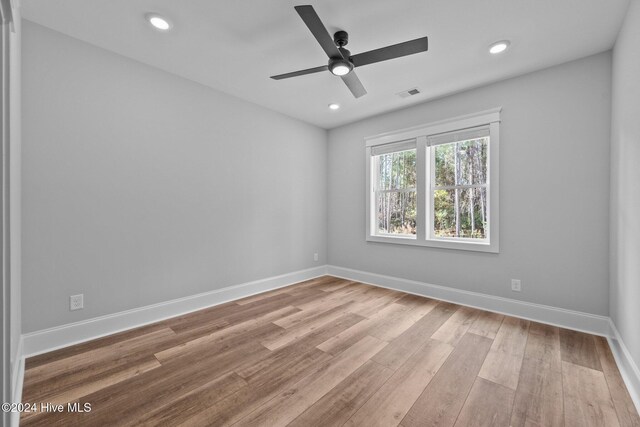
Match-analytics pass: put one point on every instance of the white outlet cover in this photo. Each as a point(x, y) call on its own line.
point(315, 257)
point(516, 285)
point(76, 302)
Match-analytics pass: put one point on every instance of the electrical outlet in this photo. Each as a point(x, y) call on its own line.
point(516, 285)
point(315, 256)
point(76, 302)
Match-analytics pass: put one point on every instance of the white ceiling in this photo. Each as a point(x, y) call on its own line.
point(234, 46)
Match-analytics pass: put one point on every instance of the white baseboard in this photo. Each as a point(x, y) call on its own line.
point(62, 336)
point(585, 322)
point(626, 365)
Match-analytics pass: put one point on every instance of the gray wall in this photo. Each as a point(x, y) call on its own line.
point(554, 191)
point(140, 187)
point(625, 183)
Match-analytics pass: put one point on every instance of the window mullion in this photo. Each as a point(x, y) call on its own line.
point(421, 184)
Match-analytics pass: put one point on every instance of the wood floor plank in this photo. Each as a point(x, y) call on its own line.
point(302, 329)
point(328, 300)
point(337, 406)
point(626, 410)
point(579, 349)
point(543, 343)
point(154, 389)
point(412, 301)
point(503, 363)
point(424, 309)
point(220, 335)
point(68, 365)
point(587, 401)
point(388, 406)
point(305, 297)
point(261, 389)
point(209, 320)
point(342, 341)
point(441, 401)
point(407, 343)
point(63, 353)
point(239, 314)
point(418, 304)
point(226, 346)
point(456, 326)
point(487, 324)
point(103, 372)
point(303, 293)
point(397, 322)
point(252, 370)
point(488, 404)
point(343, 294)
point(291, 403)
point(302, 285)
point(249, 311)
point(334, 284)
point(84, 389)
point(192, 402)
point(369, 308)
point(539, 397)
point(303, 315)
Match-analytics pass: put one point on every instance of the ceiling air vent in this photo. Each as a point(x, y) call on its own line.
point(409, 92)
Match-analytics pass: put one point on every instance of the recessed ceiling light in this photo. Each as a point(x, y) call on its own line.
point(334, 106)
point(158, 22)
point(499, 47)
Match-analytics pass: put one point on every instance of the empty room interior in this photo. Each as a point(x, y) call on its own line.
point(342, 213)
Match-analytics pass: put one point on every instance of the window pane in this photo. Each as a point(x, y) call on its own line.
point(396, 212)
point(461, 163)
point(397, 170)
point(445, 164)
point(444, 213)
point(460, 213)
point(473, 212)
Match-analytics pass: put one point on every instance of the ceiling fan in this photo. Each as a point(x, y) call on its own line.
point(341, 62)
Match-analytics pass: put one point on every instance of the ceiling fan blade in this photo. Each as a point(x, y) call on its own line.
point(317, 28)
point(391, 52)
point(300, 73)
point(353, 83)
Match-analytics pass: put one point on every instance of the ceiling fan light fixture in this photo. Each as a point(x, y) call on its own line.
point(499, 47)
point(340, 67)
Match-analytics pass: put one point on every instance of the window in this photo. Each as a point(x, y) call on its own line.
point(395, 189)
point(436, 185)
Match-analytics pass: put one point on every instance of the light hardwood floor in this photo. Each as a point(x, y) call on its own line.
point(330, 352)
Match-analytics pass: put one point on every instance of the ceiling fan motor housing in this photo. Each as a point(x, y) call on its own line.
point(341, 38)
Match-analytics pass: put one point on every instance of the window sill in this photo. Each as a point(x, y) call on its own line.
point(442, 244)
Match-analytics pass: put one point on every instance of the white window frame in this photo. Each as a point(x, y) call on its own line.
point(395, 147)
point(424, 170)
